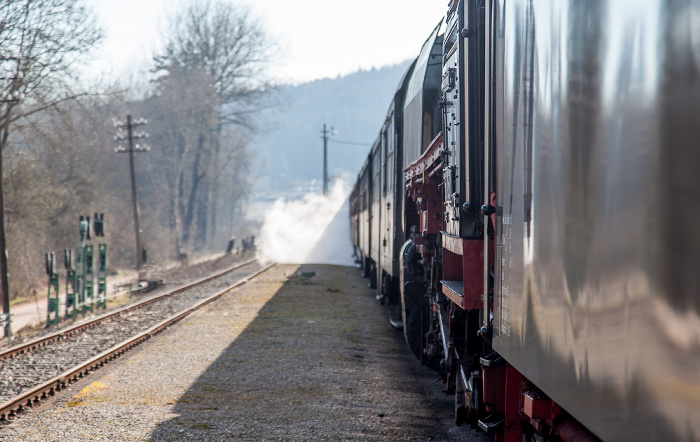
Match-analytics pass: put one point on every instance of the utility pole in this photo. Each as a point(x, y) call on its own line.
point(131, 136)
point(326, 133)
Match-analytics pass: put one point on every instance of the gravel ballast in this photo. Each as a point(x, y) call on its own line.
point(300, 353)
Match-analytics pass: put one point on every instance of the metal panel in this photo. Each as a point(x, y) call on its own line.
point(393, 189)
point(422, 120)
point(375, 213)
point(364, 215)
point(597, 291)
point(389, 188)
point(354, 201)
point(463, 91)
point(389, 259)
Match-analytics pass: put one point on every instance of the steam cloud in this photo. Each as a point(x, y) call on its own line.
point(315, 229)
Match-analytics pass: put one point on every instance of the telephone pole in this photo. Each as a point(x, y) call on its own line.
point(326, 133)
point(131, 136)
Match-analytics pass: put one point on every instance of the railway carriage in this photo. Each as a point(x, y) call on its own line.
point(360, 212)
point(542, 271)
point(412, 120)
point(375, 212)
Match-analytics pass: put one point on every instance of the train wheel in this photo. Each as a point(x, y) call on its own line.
point(460, 410)
point(372, 275)
point(412, 299)
point(466, 403)
point(414, 317)
point(474, 399)
point(386, 295)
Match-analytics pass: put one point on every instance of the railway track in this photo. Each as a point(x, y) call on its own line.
point(39, 368)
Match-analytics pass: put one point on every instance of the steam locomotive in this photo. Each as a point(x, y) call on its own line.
point(530, 207)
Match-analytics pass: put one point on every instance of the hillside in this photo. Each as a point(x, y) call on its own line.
point(290, 152)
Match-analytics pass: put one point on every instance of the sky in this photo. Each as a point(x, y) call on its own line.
point(317, 38)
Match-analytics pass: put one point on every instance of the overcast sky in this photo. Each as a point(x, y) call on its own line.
point(319, 38)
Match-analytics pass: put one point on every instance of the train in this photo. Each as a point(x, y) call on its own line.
point(529, 207)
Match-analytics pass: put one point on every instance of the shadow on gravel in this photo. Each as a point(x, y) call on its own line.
point(319, 362)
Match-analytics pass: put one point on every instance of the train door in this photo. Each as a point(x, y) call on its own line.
point(494, 129)
point(363, 218)
point(386, 199)
point(511, 164)
point(463, 92)
point(388, 207)
point(392, 197)
point(375, 211)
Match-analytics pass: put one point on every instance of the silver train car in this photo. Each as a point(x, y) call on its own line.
point(376, 200)
point(539, 269)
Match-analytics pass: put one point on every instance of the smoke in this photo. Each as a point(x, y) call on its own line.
point(315, 229)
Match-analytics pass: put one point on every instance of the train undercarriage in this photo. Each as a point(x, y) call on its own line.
point(441, 297)
point(440, 331)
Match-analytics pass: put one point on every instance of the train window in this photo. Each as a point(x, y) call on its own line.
point(450, 39)
point(427, 130)
point(391, 160)
point(385, 149)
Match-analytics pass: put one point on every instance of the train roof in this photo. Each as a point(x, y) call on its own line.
point(415, 85)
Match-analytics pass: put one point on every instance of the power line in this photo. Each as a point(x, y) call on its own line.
point(326, 136)
point(349, 142)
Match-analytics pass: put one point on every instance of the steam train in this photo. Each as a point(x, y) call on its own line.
point(530, 207)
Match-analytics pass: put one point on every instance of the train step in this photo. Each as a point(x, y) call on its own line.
point(493, 423)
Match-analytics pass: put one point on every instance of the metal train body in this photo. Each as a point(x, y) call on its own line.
point(531, 245)
point(377, 198)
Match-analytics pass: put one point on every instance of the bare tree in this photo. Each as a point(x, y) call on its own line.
point(219, 54)
point(40, 40)
point(231, 46)
point(183, 115)
point(231, 188)
point(51, 175)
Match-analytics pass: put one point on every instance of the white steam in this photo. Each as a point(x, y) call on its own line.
point(315, 229)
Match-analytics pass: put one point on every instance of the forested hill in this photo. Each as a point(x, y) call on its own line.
point(290, 151)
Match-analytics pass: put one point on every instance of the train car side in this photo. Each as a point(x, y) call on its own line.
point(595, 289)
point(412, 120)
point(538, 273)
point(360, 217)
point(578, 271)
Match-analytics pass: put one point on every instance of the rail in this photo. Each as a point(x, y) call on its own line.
point(38, 342)
point(43, 391)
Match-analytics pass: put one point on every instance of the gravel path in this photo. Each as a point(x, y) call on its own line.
point(289, 356)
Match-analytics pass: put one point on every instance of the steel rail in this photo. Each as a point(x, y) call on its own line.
point(49, 388)
point(39, 342)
